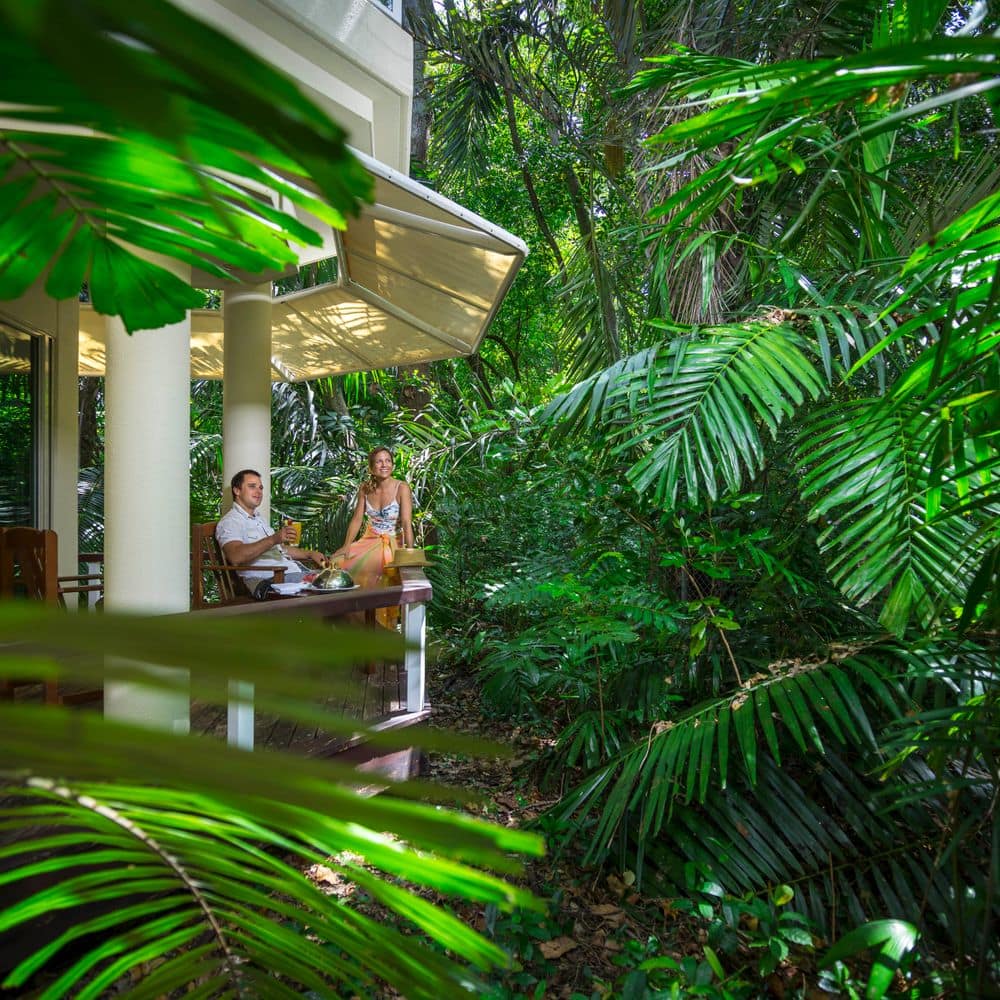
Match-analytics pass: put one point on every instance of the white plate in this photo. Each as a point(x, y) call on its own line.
point(329, 590)
point(289, 589)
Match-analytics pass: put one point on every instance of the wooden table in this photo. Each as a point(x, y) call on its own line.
point(411, 596)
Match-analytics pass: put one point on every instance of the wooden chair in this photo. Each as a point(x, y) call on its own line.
point(29, 567)
point(89, 584)
point(207, 559)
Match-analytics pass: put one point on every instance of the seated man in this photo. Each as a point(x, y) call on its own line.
point(245, 537)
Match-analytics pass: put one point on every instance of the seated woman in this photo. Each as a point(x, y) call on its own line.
point(387, 504)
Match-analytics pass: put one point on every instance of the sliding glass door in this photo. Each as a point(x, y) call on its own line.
point(24, 427)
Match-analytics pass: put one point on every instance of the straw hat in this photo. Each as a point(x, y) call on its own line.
point(403, 558)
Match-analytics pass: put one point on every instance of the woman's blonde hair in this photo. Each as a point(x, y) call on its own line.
point(368, 483)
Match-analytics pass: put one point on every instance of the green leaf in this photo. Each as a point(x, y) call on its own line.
point(893, 939)
point(127, 133)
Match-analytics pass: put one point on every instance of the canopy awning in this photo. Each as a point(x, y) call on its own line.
point(419, 279)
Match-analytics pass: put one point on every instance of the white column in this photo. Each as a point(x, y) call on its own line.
point(246, 392)
point(246, 434)
point(146, 486)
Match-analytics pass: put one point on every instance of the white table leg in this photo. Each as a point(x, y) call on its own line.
point(239, 727)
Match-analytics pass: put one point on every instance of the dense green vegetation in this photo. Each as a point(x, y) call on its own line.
point(715, 502)
point(714, 506)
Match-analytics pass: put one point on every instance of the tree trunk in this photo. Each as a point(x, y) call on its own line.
point(338, 403)
point(91, 391)
point(529, 184)
point(420, 120)
point(609, 319)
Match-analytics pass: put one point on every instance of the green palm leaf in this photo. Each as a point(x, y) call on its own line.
point(699, 412)
point(809, 705)
point(867, 472)
point(826, 837)
point(90, 171)
point(596, 399)
point(759, 108)
point(183, 854)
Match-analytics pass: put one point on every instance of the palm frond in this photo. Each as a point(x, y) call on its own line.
point(759, 108)
point(596, 399)
point(155, 843)
point(698, 412)
point(216, 897)
point(822, 831)
point(805, 705)
point(846, 332)
point(867, 471)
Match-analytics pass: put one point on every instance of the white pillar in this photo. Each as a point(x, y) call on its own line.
point(246, 392)
point(246, 433)
point(415, 658)
point(146, 486)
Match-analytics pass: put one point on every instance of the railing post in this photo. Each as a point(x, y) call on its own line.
point(93, 596)
point(239, 718)
point(414, 632)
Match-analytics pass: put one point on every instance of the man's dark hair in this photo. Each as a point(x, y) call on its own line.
point(237, 481)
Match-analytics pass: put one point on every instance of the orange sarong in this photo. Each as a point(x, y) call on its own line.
point(366, 561)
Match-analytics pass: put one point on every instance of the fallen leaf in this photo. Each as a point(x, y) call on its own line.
point(557, 947)
point(616, 885)
point(604, 909)
point(323, 874)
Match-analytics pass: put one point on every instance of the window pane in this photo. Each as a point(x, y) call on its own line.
point(17, 431)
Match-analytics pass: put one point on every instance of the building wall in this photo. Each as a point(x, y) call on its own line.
point(348, 55)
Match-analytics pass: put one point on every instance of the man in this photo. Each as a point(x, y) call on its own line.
point(246, 538)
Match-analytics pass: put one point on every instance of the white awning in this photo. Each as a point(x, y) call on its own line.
point(419, 279)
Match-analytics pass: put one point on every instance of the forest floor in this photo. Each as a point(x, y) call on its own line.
point(596, 929)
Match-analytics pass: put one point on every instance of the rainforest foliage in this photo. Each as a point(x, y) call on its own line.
point(715, 504)
point(714, 507)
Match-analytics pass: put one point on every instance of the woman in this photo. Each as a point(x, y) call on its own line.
point(387, 504)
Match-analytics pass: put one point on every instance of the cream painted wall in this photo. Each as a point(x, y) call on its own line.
point(34, 310)
point(351, 58)
point(65, 444)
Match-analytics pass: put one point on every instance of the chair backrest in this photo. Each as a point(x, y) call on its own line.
point(207, 559)
point(29, 564)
